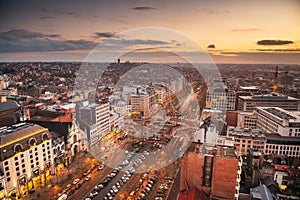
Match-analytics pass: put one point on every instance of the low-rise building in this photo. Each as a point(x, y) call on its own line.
point(220, 100)
point(278, 145)
point(246, 120)
point(215, 170)
point(249, 103)
point(247, 139)
point(26, 156)
point(278, 120)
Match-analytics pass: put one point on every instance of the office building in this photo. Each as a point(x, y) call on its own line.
point(94, 120)
point(140, 103)
point(220, 100)
point(249, 103)
point(278, 120)
point(246, 120)
point(246, 140)
point(285, 146)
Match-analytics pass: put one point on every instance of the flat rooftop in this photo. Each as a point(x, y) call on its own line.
point(275, 138)
point(269, 97)
point(213, 150)
point(292, 116)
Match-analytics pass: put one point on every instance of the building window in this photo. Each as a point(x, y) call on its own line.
point(31, 161)
point(8, 179)
point(22, 155)
point(49, 157)
point(6, 168)
point(18, 148)
point(16, 158)
point(22, 160)
point(30, 151)
point(31, 156)
point(44, 150)
point(37, 158)
point(48, 152)
point(44, 155)
point(16, 163)
point(17, 168)
point(24, 171)
point(32, 166)
point(43, 145)
point(37, 163)
point(36, 153)
point(23, 166)
point(18, 173)
point(44, 159)
point(7, 174)
point(6, 163)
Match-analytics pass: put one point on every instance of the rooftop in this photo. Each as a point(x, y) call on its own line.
point(18, 132)
point(212, 150)
point(249, 88)
point(292, 116)
point(8, 106)
point(268, 97)
point(262, 192)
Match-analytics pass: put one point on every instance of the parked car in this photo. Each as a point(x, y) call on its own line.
point(76, 181)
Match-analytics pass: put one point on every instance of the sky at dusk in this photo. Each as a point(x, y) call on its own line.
point(231, 31)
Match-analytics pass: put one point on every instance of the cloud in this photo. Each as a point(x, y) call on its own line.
point(279, 50)
point(47, 17)
point(21, 40)
point(103, 34)
point(274, 42)
point(246, 30)
point(143, 42)
point(211, 46)
point(73, 14)
point(143, 8)
point(52, 35)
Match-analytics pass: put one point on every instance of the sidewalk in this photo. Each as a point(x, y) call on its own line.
point(57, 182)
